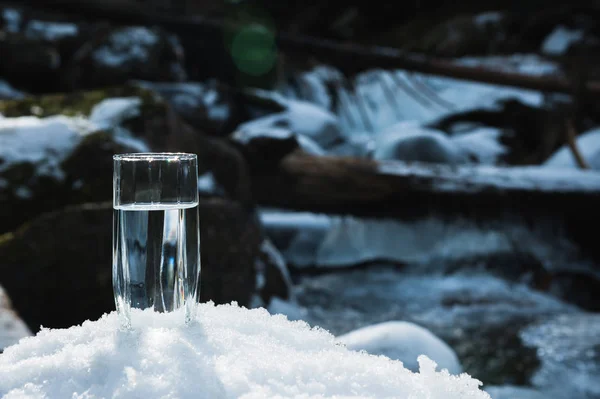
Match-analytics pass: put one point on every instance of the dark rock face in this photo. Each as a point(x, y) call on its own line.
point(57, 269)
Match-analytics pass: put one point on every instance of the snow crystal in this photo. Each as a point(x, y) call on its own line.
point(588, 145)
point(43, 142)
point(561, 38)
point(50, 31)
point(404, 341)
point(230, 353)
point(12, 20)
point(12, 329)
point(129, 44)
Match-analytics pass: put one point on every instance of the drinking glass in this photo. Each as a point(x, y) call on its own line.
point(156, 243)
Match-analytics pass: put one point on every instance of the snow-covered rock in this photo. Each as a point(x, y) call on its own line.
point(43, 142)
point(251, 131)
point(230, 352)
point(135, 52)
point(406, 142)
point(404, 341)
point(561, 38)
point(588, 145)
point(12, 329)
point(304, 120)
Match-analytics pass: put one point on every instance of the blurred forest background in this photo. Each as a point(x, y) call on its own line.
point(361, 162)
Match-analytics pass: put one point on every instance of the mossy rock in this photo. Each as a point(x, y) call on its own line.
point(79, 103)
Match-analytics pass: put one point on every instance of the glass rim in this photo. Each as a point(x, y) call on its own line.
point(158, 156)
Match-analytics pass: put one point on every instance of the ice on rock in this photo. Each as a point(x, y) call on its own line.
point(404, 341)
point(588, 145)
point(231, 353)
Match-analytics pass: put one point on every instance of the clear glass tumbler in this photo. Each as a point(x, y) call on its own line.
point(156, 241)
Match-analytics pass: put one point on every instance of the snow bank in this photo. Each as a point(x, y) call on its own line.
point(231, 353)
point(404, 341)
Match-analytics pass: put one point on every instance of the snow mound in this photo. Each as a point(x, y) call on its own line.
point(230, 353)
point(404, 341)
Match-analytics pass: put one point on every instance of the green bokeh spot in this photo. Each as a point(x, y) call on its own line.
point(253, 50)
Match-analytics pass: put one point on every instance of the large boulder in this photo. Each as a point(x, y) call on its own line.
point(57, 268)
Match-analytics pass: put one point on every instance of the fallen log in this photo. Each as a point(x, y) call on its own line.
point(367, 188)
